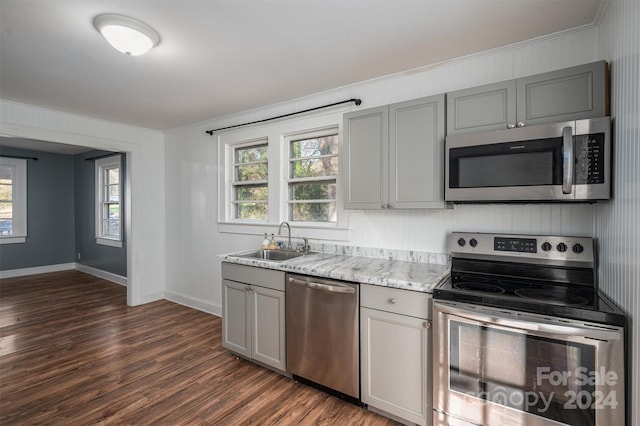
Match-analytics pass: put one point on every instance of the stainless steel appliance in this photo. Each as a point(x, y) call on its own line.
point(322, 334)
point(523, 336)
point(567, 161)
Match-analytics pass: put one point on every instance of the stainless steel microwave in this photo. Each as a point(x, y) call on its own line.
point(568, 161)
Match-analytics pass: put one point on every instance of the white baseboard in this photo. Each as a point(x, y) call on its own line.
point(182, 299)
point(152, 297)
point(12, 273)
point(114, 278)
point(195, 303)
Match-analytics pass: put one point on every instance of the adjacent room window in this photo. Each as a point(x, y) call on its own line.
point(109, 201)
point(13, 200)
point(250, 190)
point(312, 173)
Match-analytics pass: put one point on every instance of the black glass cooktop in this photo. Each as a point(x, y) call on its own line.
point(572, 301)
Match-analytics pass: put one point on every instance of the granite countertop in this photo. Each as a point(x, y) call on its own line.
point(401, 274)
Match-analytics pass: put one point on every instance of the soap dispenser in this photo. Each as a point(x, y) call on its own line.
point(265, 242)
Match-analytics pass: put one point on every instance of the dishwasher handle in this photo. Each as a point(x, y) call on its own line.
point(331, 288)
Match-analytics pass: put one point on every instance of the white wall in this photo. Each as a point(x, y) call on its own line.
point(145, 162)
point(618, 222)
point(193, 268)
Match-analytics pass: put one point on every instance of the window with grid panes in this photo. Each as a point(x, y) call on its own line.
point(109, 200)
point(250, 190)
point(313, 169)
point(13, 200)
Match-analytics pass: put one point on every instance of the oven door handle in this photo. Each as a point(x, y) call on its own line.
point(562, 330)
point(577, 331)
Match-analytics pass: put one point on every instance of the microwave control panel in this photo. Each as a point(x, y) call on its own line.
point(590, 159)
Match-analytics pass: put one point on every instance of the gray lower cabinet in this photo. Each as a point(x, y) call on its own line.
point(568, 94)
point(392, 156)
point(253, 314)
point(395, 339)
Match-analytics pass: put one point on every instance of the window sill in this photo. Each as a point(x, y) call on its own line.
point(108, 242)
point(13, 240)
point(313, 232)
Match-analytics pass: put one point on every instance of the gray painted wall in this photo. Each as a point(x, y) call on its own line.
point(105, 258)
point(61, 215)
point(50, 213)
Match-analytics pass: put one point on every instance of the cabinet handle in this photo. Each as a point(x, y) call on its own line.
point(426, 324)
point(248, 289)
point(389, 206)
point(392, 301)
point(511, 126)
point(384, 206)
point(520, 123)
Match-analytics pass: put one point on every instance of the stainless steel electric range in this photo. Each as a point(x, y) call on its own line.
point(524, 337)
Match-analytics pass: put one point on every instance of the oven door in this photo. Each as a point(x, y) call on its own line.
point(497, 367)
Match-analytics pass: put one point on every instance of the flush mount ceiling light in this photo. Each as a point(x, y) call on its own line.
point(125, 34)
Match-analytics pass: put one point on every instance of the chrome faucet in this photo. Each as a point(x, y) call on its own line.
point(289, 236)
point(304, 246)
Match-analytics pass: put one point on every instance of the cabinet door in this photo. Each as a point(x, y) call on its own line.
point(268, 339)
point(568, 94)
point(365, 168)
point(236, 325)
point(416, 153)
point(395, 364)
point(489, 107)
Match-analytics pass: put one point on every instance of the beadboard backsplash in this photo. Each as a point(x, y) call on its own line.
point(618, 222)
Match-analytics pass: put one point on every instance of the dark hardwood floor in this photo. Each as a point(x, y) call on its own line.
point(73, 353)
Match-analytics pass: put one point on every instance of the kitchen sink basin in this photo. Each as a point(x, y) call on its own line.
point(273, 255)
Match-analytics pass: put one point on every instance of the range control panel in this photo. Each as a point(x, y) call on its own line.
point(525, 245)
point(534, 248)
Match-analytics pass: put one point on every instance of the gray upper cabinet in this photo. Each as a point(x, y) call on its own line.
point(568, 94)
point(489, 107)
point(365, 165)
point(393, 155)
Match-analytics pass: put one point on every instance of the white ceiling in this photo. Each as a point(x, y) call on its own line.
point(219, 57)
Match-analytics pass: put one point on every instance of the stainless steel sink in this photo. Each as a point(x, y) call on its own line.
point(273, 255)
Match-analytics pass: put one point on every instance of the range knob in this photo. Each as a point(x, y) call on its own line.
point(562, 247)
point(546, 246)
point(461, 242)
point(473, 242)
point(577, 248)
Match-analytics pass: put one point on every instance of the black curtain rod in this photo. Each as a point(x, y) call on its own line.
point(102, 156)
point(20, 157)
point(354, 100)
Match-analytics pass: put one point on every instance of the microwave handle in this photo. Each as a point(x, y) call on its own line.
point(567, 160)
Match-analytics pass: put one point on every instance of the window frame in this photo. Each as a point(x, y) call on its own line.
point(101, 165)
point(234, 184)
point(18, 200)
point(311, 134)
point(275, 133)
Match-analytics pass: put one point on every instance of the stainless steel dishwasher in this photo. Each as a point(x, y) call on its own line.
point(323, 334)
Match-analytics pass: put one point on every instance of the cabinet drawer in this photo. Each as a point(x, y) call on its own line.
point(404, 302)
point(262, 277)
